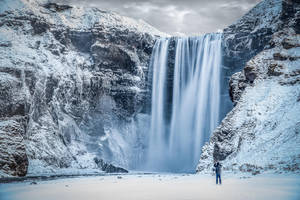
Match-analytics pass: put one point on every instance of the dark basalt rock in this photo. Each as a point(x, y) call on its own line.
point(237, 84)
point(288, 43)
point(13, 159)
point(170, 77)
point(279, 56)
point(250, 168)
point(39, 26)
point(11, 104)
point(220, 154)
point(109, 168)
point(274, 70)
point(81, 40)
point(5, 44)
point(250, 73)
point(112, 56)
point(57, 7)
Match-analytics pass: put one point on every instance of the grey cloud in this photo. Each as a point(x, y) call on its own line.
point(171, 16)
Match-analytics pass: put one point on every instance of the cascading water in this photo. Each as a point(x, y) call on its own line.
point(175, 142)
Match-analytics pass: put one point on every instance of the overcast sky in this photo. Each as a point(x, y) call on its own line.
point(178, 16)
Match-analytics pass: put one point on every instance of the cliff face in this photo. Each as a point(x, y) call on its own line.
point(251, 34)
point(246, 38)
point(262, 130)
point(74, 93)
point(73, 81)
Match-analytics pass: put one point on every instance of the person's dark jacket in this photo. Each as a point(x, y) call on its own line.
point(217, 168)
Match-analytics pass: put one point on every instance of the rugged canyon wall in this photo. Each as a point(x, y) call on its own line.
point(72, 83)
point(75, 96)
point(261, 132)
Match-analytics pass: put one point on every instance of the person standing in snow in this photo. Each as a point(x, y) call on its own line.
point(218, 166)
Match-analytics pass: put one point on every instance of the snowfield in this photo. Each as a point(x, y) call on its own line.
point(158, 186)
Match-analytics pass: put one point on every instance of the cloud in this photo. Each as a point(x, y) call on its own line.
point(171, 16)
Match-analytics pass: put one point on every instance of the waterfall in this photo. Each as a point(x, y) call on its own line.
point(175, 140)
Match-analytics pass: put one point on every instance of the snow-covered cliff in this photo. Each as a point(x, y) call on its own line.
point(74, 94)
point(261, 132)
point(73, 81)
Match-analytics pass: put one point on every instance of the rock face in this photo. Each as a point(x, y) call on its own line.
point(13, 159)
point(109, 168)
point(262, 130)
point(73, 86)
point(251, 34)
point(246, 38)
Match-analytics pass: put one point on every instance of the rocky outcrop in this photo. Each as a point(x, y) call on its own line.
point(56, 7)
point(262, 131)
point(251, 34)
point(73, 86)
point(109, 168)
point(246, 38)
point(13, 160)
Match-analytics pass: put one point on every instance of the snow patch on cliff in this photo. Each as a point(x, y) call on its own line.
point(272, 111)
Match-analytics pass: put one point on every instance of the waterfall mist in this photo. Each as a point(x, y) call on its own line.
point(183, 115)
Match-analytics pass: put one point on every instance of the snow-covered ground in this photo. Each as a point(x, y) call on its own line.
point(158, 186)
